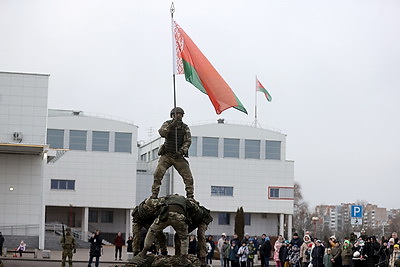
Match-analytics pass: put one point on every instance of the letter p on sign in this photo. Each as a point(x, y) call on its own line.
point(356, 211)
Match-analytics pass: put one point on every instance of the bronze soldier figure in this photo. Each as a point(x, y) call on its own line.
point(173, 213)
point(173, 152)
point(68, 246)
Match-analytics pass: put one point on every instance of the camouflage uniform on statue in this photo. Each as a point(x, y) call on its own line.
point(143, 216)
point(68, 246)
point(200, 218)
point(173, 213)
point(173, 152)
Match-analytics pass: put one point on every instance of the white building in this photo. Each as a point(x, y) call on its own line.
point(233, 166)
point(23, 116)
point(91, 184)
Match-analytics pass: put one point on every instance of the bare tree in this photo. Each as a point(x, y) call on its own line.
point(301, 216)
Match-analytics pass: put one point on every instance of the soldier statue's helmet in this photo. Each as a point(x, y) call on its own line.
point(177, 110)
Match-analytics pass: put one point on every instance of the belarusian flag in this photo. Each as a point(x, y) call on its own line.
point(261, 88)
point(199, 72)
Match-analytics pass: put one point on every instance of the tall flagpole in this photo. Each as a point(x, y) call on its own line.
point(174, 68)
point(255, 105)
point(172, 10)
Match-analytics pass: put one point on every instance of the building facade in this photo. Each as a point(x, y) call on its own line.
point(23, 116)
point(90, 180)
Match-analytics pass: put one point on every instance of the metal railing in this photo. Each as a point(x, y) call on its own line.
point(56, 228)
point(17, 230)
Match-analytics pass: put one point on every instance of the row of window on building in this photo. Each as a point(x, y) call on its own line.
point(273, 192)
point(97, 140)
point(231, 149)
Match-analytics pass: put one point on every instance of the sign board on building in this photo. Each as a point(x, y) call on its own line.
point(356, 211)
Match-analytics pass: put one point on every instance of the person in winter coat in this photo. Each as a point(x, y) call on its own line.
point(371, 251)
point(233, 255)
point(395, 256)
point(317, 254)
point(243, 252)
point(1, 243)
point(252, 252)
point(347, 254)
point(219, 246)
point(95, 248)
point(284, 253)
point(277, 246)
point(336, 254)
point(211, 248)
point(118, 243)
point(328, 257)
point(304, 251)
point(225, 252)
point(296, 240)
point(384, 254)
point(294, 256)
point(192, 245)
point(265, 250)
point(129, 244)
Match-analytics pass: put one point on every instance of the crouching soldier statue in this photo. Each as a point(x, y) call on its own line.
point(173, 212)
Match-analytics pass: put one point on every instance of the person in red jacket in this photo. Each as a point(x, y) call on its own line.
point(118, 242)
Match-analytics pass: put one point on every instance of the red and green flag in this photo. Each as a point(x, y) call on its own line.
point(261, 88)
point(189, 60)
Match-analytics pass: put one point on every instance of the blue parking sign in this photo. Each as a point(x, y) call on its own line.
point(356, 211)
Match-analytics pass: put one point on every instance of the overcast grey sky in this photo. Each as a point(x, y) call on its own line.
point(332, 68)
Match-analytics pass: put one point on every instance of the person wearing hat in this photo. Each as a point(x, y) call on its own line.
point(220, 244)
point(347, 253)
point(173, 152)
point(395, 256)
point(68, 246)
point(317, 254)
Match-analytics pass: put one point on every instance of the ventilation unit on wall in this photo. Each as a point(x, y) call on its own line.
point(17, 137)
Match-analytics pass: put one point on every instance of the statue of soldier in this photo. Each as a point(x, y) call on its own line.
point(200, 218)
point(173, 213)
point(173, 152)
point(68, 246)
point(142, 217)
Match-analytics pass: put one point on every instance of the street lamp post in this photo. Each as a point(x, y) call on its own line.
point(314, 220)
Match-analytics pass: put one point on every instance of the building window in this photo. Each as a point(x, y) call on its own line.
point(123, 142)
point(252, 149)
point(154, 154)
point(281, 192)
point(55, 138)
point(221, 190)
point(100, 141)
point(273, 150)
point(231, 148)
point(193, 147)
point(224, 218)
point(77, 140)
point(210, 147)
point(93, 216)
point(62, 184)
point(106, 216)
point(143, 157)
point(247, 219)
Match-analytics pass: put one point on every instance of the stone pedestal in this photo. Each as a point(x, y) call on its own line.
point(46, 254)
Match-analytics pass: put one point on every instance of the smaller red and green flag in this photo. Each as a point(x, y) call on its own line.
point(261, 88)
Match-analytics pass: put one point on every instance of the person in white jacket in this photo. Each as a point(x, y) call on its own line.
point(219, 245)
point(243, 252)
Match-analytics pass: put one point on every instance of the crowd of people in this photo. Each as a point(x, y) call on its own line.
point(308, 251)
